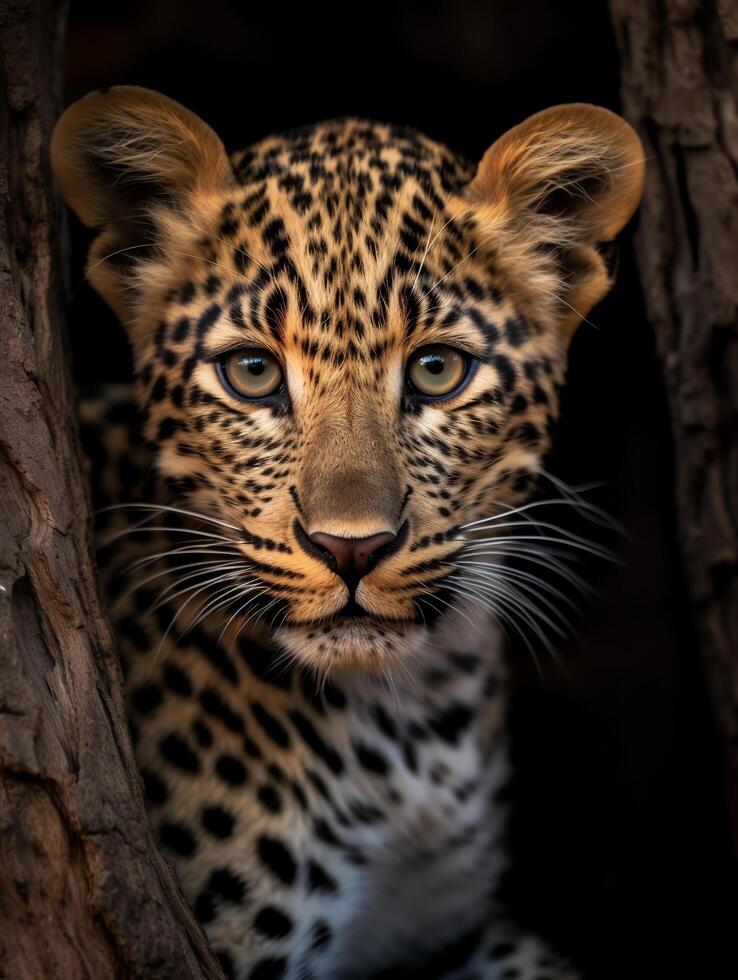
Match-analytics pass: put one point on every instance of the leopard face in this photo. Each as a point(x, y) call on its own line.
point(348, 342)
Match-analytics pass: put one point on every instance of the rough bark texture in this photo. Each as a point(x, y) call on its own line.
point(83, 889)
point(680, 91)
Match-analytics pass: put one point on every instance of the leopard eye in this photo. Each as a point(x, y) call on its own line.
point(437, 371)
point(250, 374)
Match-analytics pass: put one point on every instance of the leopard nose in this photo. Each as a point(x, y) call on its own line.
point(351, 558)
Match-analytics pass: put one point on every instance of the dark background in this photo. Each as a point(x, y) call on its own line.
point(620, 836)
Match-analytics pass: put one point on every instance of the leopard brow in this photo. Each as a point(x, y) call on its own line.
point(449, 323)
point(236, 338)
point(466, 337)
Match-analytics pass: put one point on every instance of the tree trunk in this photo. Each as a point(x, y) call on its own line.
point(83, 889)
point(680, 91)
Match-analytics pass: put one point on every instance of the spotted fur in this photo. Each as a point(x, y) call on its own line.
point(329, 787)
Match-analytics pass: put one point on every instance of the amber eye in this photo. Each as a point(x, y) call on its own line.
point(250, 373)
point(437, 371)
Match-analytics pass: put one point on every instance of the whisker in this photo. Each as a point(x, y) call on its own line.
point(201, 569)
point(499, 614)
point(452, 270)
point(544, 558)
point(170, 626)
point(511, 595)
point(505, 572)
point(531, 525)
point(187, 549)
point(170, 530)
point(240, 609)
point(257, 613)
point(168, 508)
point(578, 544)
point(222, 598)
point(430, 245)
point(520, 590)
point(427, 598)
point(167, 595)
point(588, 510)
point(224, 241)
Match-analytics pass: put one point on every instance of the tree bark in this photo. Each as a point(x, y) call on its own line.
point(680, 90)
point(84, 891)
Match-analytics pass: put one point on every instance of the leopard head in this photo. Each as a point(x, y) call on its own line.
point(348, 342)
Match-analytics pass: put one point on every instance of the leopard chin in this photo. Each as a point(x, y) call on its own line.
point(357, 643)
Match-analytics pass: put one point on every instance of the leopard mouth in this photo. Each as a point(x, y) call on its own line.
point(352, 619)
point(352, 610)
point(352, 616)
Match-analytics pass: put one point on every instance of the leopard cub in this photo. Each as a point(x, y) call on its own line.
point(348, 348)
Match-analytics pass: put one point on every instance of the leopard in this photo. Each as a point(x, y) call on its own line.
point(349, 345)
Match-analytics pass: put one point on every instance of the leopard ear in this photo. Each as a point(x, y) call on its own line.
point(565, 180)
point(122, 156)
